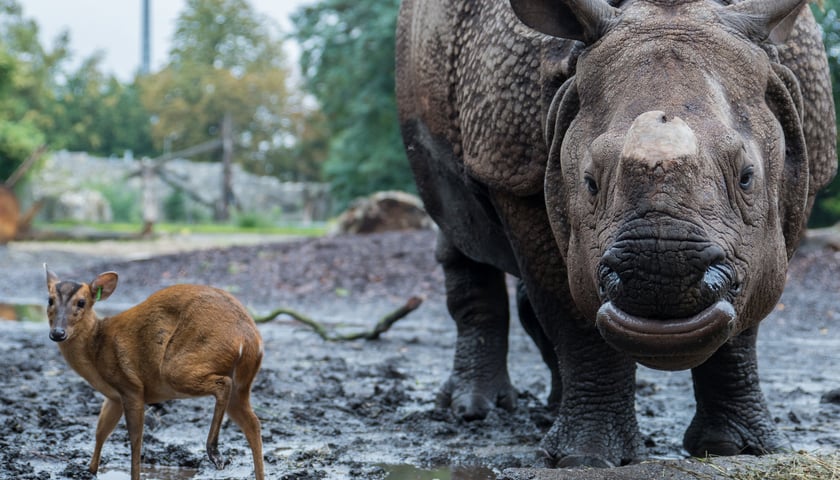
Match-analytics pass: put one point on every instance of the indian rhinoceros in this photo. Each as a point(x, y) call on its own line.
point(645, 168)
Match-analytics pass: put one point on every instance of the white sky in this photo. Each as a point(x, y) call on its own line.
point(113, 26)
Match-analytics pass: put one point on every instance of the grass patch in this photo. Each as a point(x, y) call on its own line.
point(797, 466)
point(316, 230)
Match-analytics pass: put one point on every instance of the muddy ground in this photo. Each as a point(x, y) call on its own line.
point(364, 409)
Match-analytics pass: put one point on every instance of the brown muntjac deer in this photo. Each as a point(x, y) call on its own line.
point(183, 341)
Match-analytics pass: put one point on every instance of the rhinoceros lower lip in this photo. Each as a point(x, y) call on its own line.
point(673, 344)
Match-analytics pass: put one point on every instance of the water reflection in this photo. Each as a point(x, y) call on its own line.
point(410, 472)
point(150, 473)
point(395, 472)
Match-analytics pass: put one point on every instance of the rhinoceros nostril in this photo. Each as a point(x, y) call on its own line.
point(608, 281)
point(719, 281)
point(713, 255)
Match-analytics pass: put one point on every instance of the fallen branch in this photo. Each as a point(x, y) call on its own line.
point(381, 327)
point(21, 170)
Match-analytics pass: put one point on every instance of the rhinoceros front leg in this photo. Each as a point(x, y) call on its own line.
point(530, 322)
point(476, 296)
point(596, 420)
point(596, 417)
point(732, 417)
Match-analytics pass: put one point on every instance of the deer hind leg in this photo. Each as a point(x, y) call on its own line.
point(195, 380)
point(109, 415)
point(239, 409)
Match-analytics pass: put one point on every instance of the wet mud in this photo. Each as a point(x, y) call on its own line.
point(363, 409)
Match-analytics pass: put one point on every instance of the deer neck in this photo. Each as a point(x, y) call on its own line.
point(82, 353)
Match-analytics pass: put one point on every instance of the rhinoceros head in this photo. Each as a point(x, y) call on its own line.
point(677, 179)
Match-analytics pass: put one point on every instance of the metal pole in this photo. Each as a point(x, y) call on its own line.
point(146, 57)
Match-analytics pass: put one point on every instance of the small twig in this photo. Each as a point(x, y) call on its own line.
point(381, 327)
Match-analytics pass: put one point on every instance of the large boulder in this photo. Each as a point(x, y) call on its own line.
point(382, 212)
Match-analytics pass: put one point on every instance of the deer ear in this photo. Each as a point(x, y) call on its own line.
point(52, 278)
point(104, 285)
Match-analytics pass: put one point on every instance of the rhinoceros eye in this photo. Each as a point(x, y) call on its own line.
point(747, 177)
point(591, 184)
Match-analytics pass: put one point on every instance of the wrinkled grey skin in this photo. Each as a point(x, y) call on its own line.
point(645, 169)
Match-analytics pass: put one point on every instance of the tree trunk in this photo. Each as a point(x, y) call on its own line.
point(226, 199)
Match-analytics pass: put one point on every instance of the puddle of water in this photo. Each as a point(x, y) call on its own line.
point(24, 313)
point(395, 472)
point(150, 473)
point(410, 472)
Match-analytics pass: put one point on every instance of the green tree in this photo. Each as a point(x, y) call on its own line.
point(98, 114)
point(827, 207)
point(27, 71)
point(226, 59)
point(18, 139)
point(347, 62)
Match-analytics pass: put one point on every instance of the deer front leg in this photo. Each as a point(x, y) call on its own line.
point(134, 412)
point(109, 415)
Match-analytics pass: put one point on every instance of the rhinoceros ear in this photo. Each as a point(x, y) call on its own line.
point(584, 20)
point(785, 101)
point(764, 19)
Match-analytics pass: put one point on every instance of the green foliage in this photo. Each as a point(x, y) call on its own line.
point(175, 206)
point(348, 65)
point(24, 86)
point(827, 207)
point(224, 229)
point(226, 59)
point(178, 207)
point(95, 113)
point(251, 221)
point(34, 72)
point(17, 142)
point(125, 203)
point(43, 101)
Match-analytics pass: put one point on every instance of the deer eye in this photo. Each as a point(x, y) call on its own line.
point(51, 301)
point(81, 303)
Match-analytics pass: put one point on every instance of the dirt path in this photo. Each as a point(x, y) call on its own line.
point(364, 409)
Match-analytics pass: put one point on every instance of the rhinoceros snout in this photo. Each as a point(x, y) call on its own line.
point(664, 278)
point(666, 294)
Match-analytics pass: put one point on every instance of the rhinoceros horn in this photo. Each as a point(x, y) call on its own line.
point(584, 20)
point(763, 19)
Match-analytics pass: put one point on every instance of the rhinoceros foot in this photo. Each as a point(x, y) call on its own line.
point(732, 416)
point(728, 433)
point(473, 399)
point(589, 436)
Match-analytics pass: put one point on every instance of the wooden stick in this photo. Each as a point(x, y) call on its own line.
point(21, 170)
point(381, 327)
